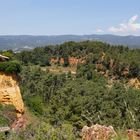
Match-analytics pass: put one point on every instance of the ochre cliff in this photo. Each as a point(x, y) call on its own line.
point(10, 92)
point(73, 61)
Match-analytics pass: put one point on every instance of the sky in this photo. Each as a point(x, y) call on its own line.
point(59, 17)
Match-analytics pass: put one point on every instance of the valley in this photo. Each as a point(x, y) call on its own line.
point(72, 88)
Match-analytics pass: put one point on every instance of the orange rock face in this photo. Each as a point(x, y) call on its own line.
point(72, 61)
point(10, 92)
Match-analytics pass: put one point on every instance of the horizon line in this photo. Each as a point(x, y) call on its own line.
point(68, 35)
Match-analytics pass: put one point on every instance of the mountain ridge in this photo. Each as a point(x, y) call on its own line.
point(21, 42)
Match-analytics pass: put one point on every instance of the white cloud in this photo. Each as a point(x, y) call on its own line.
point(98, 30)
point(130, 26)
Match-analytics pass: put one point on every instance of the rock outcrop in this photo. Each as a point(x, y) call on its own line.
point(72, 61)
point(97, 132)
point(10, 92)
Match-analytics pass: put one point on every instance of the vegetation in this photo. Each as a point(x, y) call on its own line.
point(6, 114)
point(63, 103)
point(92, 52)
point(10, 67)
point(80, 101)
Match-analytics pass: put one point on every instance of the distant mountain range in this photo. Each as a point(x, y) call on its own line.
point(20, 42)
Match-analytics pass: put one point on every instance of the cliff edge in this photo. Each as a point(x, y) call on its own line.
point(10, 92)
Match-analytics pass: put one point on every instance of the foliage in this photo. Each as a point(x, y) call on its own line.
point(91, 51)
point(81, 101)
point(10, 67)
point(65, 103)
point(6, 114)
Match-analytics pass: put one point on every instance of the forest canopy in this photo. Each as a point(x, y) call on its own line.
point(97, 92)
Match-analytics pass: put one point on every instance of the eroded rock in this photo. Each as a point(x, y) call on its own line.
point(98, 132)
point(72, 61)
point(10, 92)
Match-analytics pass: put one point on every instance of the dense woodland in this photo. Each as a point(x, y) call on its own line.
point(61, 104)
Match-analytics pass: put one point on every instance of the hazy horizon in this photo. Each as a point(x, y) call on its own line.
point(69, 35)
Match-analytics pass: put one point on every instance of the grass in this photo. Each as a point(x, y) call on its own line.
point(121, 135)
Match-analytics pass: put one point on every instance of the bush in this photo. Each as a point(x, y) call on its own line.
point(10, 67)
point(36, 105)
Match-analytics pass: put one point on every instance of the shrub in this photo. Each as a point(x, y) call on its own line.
point(10, 67)
point(36, 105)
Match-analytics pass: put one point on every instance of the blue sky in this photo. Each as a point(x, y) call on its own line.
point(55, 17)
